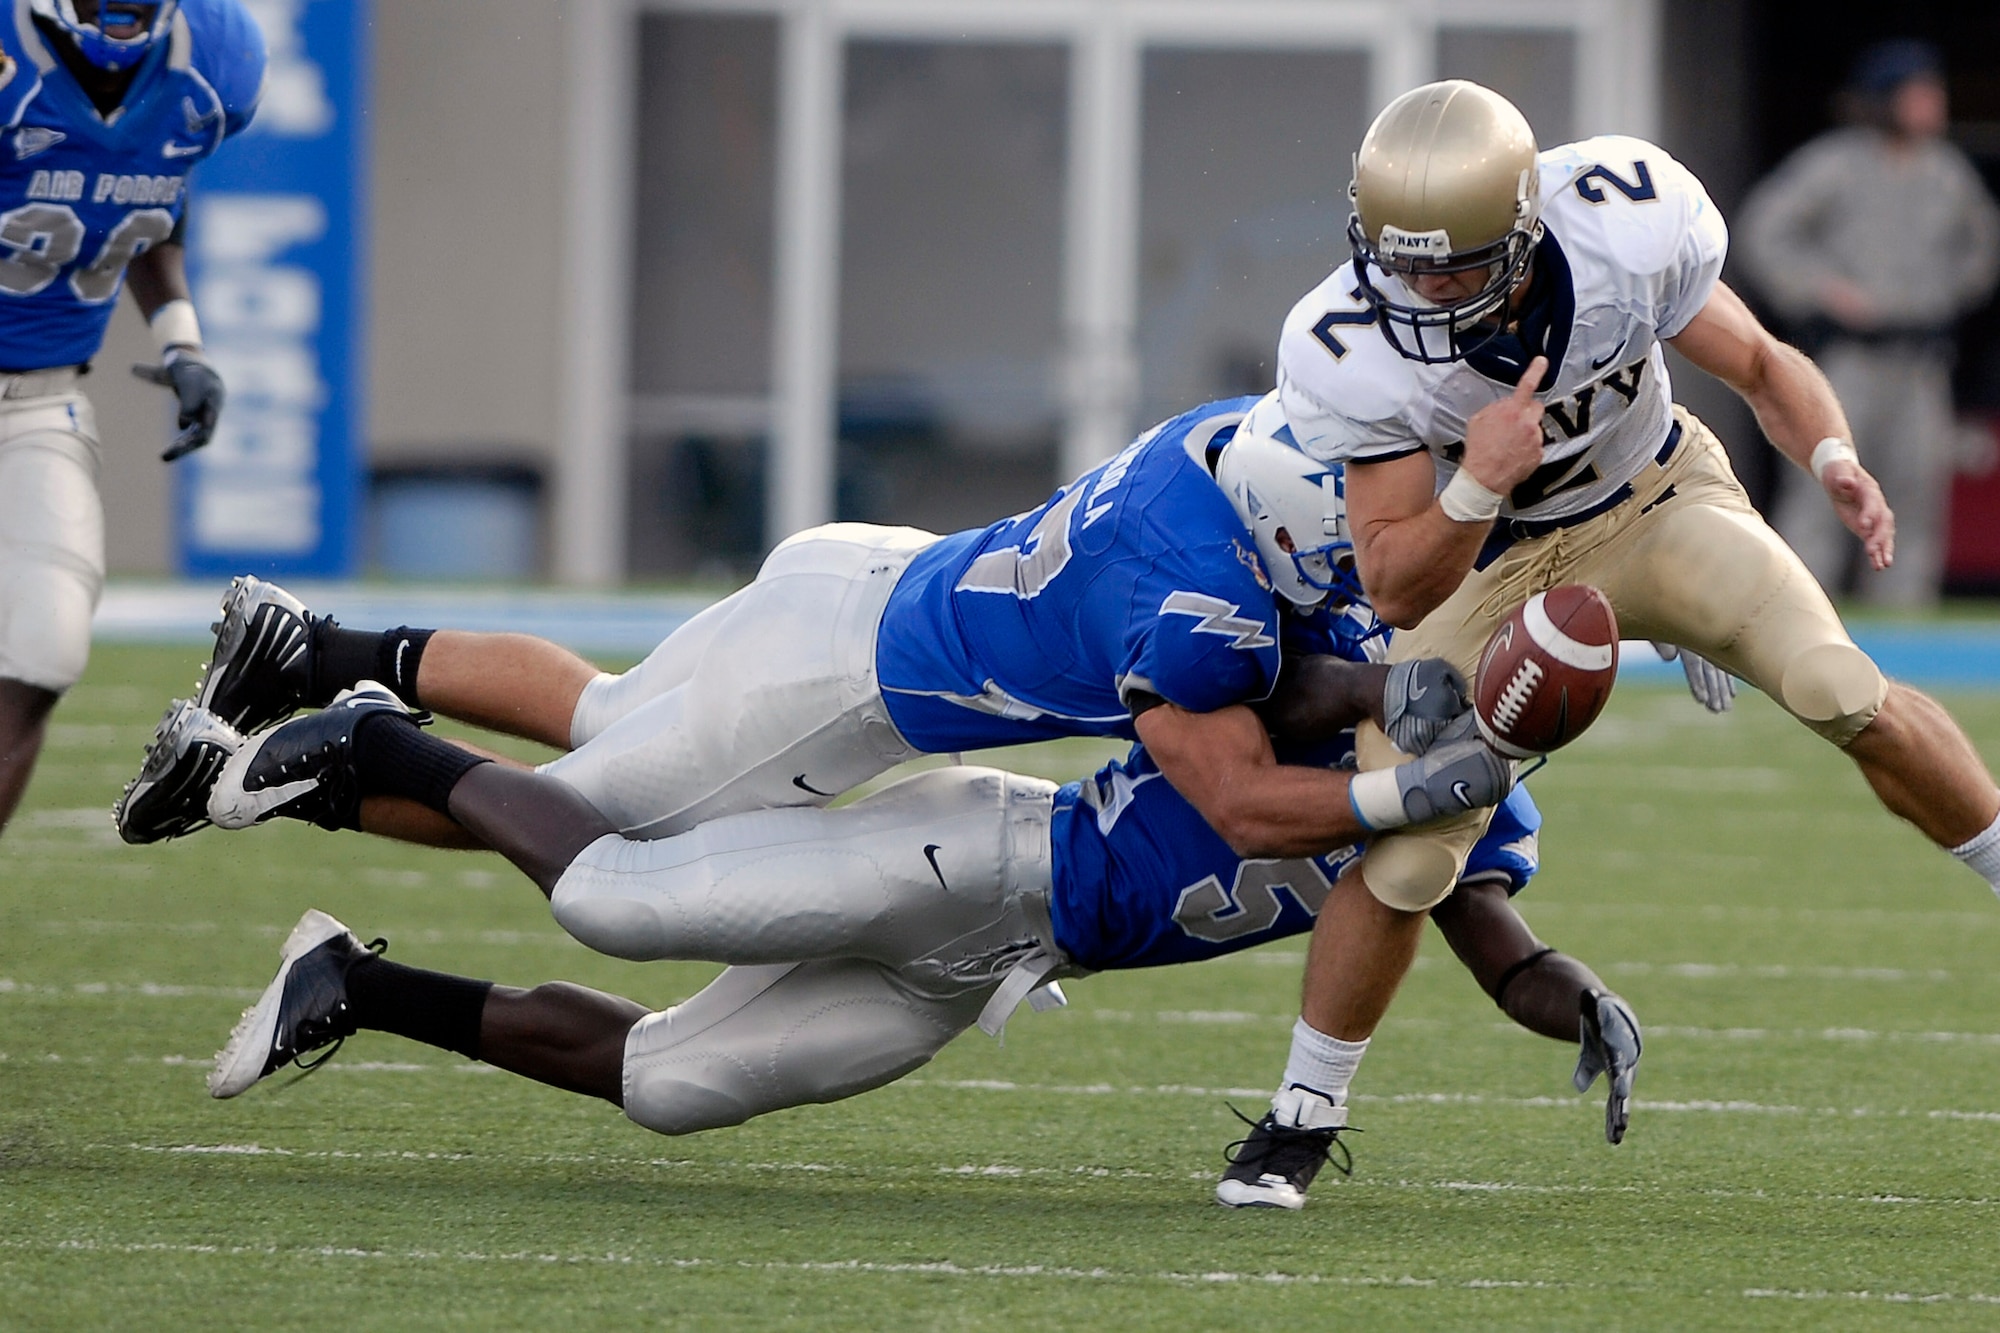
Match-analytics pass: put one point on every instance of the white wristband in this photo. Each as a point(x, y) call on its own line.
point(1377, 799)
point(174, 325)
point(1464, 500)
point(1828, 451)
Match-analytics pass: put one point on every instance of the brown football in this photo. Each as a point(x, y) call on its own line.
point(1547, 671)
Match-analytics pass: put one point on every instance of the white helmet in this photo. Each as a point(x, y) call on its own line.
point(1296, 508)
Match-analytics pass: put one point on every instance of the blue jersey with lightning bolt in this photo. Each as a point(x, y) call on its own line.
point(1141, 880)
point(82, 193)
point(1138, 576)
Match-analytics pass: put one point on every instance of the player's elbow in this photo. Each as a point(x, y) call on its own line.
point(1403, 610)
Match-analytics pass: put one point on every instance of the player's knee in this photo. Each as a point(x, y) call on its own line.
point(45, 641)
point(687, 1100)
point(600, 704)
point(1835, 689)
point(607, 908)
point(1410, 874)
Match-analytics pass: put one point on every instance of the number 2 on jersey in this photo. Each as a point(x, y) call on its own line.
point(1334, 319)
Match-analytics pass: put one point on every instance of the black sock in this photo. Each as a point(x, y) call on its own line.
point(341, 658)
point(435, 1008)
point(393, 756)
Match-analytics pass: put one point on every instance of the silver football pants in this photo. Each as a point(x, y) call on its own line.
point(51, 528)
point(766, 699)
point(861, 939)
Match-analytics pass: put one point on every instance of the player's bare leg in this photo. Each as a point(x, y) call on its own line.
point(273, 656)
point(24, 720)
point(512, 683)
point(1923, 768)
point(561, 1034)
point(537, 822)
point(1360, 952)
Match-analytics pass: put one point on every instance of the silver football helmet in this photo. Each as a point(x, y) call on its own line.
point(1296, 509)
point(1445, 183)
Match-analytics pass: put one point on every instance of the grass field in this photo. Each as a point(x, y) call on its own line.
point(1814, 1141)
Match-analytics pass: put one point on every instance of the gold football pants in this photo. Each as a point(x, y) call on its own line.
point(1685, 560)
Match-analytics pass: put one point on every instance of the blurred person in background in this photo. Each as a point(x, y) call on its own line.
point(1872, 240)
point(106, 106)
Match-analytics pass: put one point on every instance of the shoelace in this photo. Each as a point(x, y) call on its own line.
point(1320, 1142)
point(376, 948)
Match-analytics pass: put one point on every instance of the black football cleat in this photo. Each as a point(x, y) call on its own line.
point(1610, 1046)
point(1274, 1165)
point(169, 798)
point(303, 1010)
point(261, 671)
point(302, 769)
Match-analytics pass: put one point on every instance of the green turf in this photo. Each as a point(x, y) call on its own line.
point(1814, 1143)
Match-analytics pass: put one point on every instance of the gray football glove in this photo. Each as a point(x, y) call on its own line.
point(1712, 687)
point(1420, 700)
point(199, 389)
point(1610, 1045)
point(1456, 776)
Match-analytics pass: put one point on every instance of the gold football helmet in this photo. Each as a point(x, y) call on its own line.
point(1445, 183)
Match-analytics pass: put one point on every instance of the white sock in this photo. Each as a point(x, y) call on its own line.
point(1982, 853)
point(1319, 1064)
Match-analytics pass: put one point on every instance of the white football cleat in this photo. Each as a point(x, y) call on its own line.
point(302, 1010)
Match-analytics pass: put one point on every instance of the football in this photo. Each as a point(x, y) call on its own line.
point(1547, 671)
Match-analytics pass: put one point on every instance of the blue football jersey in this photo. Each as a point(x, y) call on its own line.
point(1141, 880)
point(82, 194)
point(1138, 576)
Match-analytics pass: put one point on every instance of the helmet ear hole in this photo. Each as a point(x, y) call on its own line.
point(1283, 538)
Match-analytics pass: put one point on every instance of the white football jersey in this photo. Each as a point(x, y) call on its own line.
point(1632, 251)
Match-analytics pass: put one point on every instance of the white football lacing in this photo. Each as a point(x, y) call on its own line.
point(1507, 711)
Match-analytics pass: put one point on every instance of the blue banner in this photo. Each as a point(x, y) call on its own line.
point(275, 258)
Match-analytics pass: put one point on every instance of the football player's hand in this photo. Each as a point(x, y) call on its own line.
point(1503, 440)
point(1463, 773)
point(1420, 699)
point(1857, 498)
point(1712, 687)
point(199, 389)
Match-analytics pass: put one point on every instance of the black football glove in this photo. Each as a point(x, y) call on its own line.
point(199, 388)
point(1420, 699)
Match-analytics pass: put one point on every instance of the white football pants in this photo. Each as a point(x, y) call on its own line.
point(51, 528)
point(768, 698)
point(861, 939)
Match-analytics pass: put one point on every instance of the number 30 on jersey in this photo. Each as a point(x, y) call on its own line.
point(37, 241)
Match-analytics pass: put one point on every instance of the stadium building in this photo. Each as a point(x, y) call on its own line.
point(645, 284)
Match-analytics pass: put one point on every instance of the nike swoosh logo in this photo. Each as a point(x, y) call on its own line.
point(181, 149)
point(1463, 792)
point(402, 646)
point(802, 785)
point(930, 854)
point(1418, 691)
point(1599, 365)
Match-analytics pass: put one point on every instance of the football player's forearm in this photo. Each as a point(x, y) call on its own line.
point(157, 276)
point(1320, 696)
point(1285, 810)
point(1410, 566)
point(1794, 404)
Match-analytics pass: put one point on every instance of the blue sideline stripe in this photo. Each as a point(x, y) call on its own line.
point(629, 624)
point(1942, 655)
point(606, 624)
